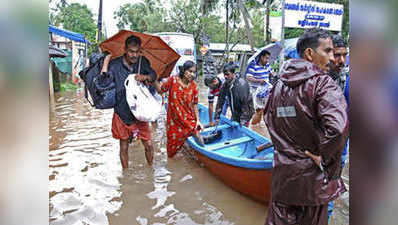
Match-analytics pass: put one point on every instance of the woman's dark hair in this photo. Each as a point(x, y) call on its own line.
point(187, 65)
point(310, 39)
point(230, 67)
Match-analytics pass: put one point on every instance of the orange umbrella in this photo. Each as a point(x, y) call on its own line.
point(161, 56)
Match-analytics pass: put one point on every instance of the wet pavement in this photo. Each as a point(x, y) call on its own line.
point(87, 186)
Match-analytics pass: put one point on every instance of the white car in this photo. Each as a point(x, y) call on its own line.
point(183, 44)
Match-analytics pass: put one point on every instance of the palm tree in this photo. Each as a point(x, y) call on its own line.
point(209, 5)
point(99, 22)
point(149, 5)
point(246, 15)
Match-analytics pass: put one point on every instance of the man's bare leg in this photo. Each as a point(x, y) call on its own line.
point(148, 151)
point(257, 116)
point(124, 155)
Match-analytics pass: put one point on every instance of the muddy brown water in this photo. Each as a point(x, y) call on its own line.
point(87, 186)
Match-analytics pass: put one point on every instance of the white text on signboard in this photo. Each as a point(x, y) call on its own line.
point(306, 14)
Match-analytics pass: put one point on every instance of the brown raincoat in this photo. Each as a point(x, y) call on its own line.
point(306, 111)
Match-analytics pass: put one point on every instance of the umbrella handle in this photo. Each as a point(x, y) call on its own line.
point(139, 65)
point(126, 82)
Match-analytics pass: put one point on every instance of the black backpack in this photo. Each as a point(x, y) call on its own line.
point(101, 87)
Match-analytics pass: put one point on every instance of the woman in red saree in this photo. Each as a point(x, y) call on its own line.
point(182, 107)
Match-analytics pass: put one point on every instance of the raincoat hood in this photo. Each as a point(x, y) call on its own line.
point(296, 71)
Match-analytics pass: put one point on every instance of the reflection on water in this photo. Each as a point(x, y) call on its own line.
point(83, 163)
point(176, 191)
point(87, 186)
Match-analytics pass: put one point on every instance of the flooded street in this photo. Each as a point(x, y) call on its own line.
point(83, 163)
point(87, 186)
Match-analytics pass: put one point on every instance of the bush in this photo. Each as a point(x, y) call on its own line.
point(68, 86)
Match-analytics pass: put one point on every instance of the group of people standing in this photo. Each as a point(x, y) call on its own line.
point(307, 118)
point(232, 92)
point(242, 93)
point(306, 115)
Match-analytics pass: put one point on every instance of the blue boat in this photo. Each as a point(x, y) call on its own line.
point(233, 157)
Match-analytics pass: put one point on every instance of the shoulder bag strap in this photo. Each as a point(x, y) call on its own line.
point(86, 95)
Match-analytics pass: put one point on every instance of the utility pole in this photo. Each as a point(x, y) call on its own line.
point(282, 36)
point(227, 30)
point(99, 26)
point(268, 35)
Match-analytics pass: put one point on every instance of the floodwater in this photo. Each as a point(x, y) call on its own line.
point(87, 186)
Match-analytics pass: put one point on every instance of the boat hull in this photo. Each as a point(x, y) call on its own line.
point(233, 156)
point(255, 183)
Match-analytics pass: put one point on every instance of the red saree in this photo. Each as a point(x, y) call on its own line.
point(181, 119)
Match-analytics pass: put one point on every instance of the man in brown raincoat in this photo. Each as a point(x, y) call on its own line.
point(308, 123)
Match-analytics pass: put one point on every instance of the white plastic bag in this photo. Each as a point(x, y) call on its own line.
point(260, 96)
point(144, 106)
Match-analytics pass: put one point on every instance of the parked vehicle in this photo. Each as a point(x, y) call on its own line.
point(183, 44)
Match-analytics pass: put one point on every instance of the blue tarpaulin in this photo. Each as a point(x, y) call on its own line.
point(67, 34)
point(290, 48)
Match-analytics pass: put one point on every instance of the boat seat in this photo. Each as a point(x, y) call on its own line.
point(229, 143)
point(220, 127)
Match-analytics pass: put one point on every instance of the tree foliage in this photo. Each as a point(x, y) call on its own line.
point(198, 16)
point(148, 16)
point(293, 32)
point(77, 18)
point(258, 28)
point(184, 16)
point(188, 17)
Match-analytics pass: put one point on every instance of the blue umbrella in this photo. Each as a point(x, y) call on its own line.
point(290, 48)
point(274, 48)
